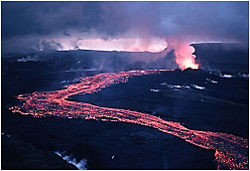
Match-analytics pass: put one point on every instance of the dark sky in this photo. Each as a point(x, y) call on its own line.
point(114, 25)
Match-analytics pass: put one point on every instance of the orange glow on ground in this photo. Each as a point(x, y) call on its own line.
point(231, 152)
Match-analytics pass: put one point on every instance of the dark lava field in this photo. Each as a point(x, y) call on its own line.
point(213, 98)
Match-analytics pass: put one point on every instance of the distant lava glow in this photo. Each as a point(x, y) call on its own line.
point(153, 45)
point(185, 58)
point(231, 152)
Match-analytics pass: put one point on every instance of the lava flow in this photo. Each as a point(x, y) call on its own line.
point(231, 152)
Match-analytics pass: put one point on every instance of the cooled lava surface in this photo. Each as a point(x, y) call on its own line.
point(231, 152)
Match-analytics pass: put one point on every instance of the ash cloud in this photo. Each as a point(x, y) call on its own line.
point(47, 25)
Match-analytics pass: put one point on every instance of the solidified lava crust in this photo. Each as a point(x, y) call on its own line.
point(231, 152)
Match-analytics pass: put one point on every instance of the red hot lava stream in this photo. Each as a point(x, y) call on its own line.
point(231, 152)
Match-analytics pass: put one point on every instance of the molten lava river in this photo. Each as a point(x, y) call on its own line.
point(231, 152)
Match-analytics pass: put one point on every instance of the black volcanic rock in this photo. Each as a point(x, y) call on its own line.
point(220, 107)
point(18, 154)
point(192, 70)
point(111, 61)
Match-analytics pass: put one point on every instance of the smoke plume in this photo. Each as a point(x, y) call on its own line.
point(122, 26)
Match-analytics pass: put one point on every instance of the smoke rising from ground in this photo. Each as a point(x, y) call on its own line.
point(125, 26)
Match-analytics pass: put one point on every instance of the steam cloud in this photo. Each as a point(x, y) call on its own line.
point(126, 26)
point(81, 165)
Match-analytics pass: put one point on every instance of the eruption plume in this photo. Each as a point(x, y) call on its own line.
point(184, 56)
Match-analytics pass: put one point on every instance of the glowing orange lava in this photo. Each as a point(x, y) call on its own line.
point(231, 152)
point(184, 56)
point(189, 63)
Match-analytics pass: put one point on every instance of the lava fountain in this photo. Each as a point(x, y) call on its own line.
point(231, 152)
point(185, 57)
